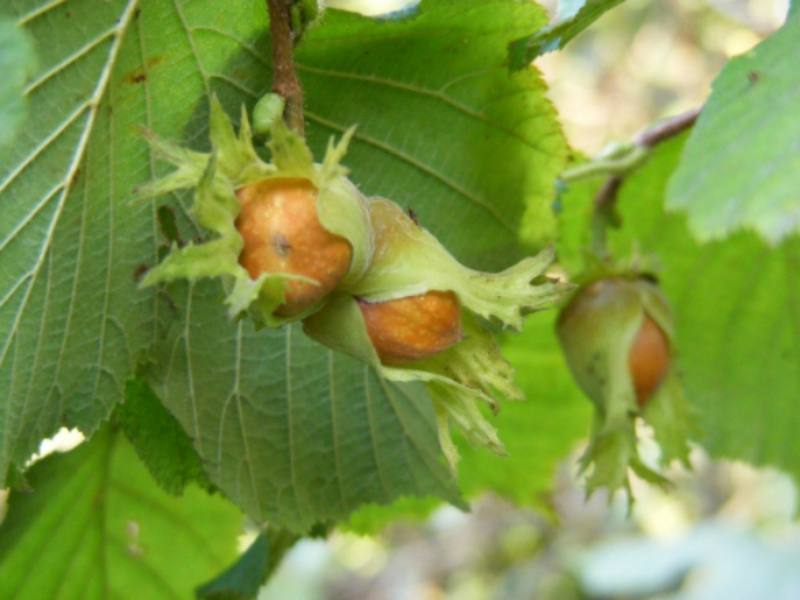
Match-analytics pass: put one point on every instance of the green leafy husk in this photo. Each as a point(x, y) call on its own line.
point(596, 330)
point(409, 261)
point(232, 165)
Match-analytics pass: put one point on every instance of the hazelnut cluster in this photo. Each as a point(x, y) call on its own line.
point(294, 240)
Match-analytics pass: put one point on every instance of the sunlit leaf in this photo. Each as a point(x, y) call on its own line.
point(95, 526)
point(741, 167)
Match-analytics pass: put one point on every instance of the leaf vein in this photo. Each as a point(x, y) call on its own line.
point(71, 59)
point(29, 217)
point(421, 166)
point(38, 12)
point(372, 433)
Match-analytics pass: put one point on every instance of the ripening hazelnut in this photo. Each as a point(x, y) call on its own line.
point(282, 234)
point(409, 329)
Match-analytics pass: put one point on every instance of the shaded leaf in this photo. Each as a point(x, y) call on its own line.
point(159, 439)
point(473, 150)
point(741, 165)
point(95, 522)
point(293, 433)
point(72, 324)
point(243, 579)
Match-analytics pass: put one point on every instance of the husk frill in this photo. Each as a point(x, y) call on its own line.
point(409, 261)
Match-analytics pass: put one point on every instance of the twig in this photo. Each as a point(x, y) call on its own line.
point(626, 158)
point(652, 137)
point(644, 142)
point(285, 82)
point(607, 194)
point(619, 166)
point(604, 215)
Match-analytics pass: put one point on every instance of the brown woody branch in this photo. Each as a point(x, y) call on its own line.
point(647, 140)
point(665, 130)
point(285, 81)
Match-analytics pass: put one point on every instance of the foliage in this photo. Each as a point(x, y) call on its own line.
point(293, 434)
point(741, 162)
point(735, 309)
point(94, 521)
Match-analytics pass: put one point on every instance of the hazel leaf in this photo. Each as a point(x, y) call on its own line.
point(17, 62)
point(95, 521)
point(74, 324)
point(740, 165)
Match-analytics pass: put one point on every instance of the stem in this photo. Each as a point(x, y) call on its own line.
point(617, 167)
point(605, 215)
point(650, 138)
point(635, 154)
point(285, 81)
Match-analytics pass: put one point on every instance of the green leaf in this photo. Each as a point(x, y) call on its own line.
point(736, 319)
point(159, 439)
point(242, 580)
point(471, 149)
point(442, 127)
point(538, 433)
point(741, 168)
point(292, 432)
point(371, 519)
point(573, 17)
point(72, 324)
point(17, 62)
point(95, 523)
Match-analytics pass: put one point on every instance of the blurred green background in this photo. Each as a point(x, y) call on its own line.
point(727, 530)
